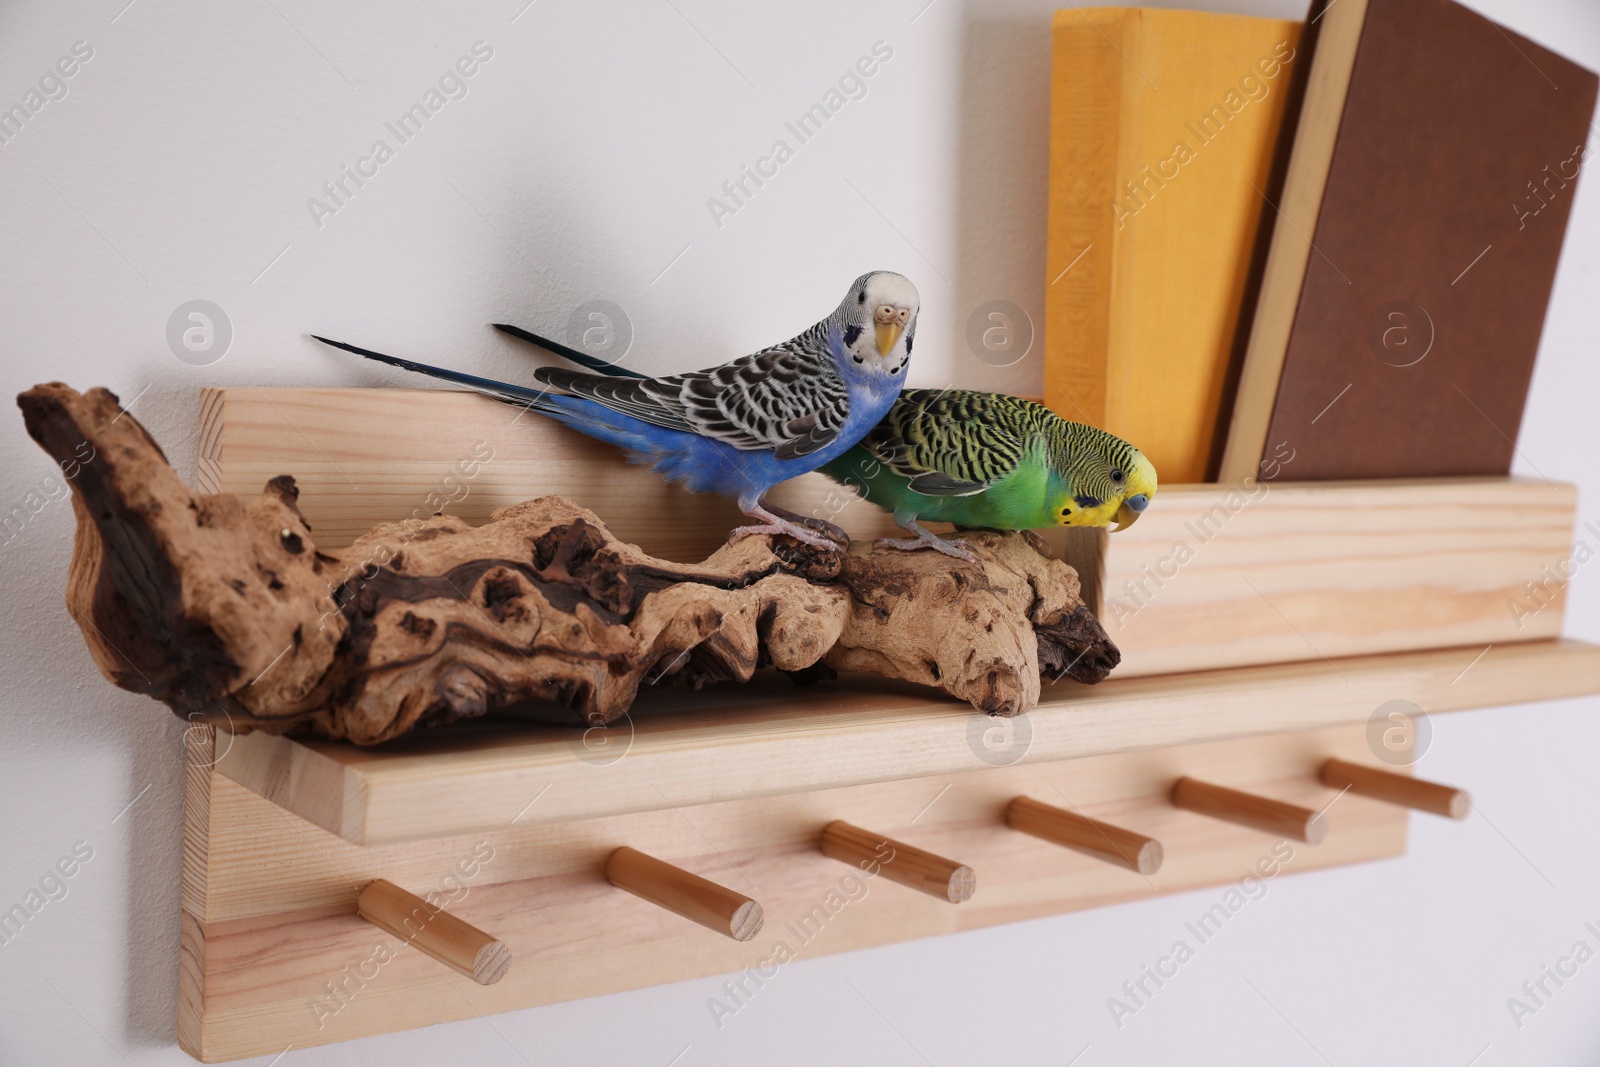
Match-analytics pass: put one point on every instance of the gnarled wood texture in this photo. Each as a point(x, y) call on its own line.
point(225, 610)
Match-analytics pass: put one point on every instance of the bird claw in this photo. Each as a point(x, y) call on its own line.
point(830, 530)
point(786, 529)
point(1038, 544)
point(956, 549)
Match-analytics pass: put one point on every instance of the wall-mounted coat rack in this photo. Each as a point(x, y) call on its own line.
point(331, 892)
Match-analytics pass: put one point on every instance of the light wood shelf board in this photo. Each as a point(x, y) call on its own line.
point(1335, 569)
point(253, 836)
point(364, 456)
point(772, 737)
point(1276, 572)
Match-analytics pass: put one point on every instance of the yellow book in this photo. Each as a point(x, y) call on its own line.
point(1163, 126)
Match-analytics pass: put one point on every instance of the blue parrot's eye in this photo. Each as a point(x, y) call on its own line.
point(861, 297)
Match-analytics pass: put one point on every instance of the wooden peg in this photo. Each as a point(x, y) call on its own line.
point(1099, 839)
point(454, 942)
point(707, 903)
point(1248, 809)
point(1392, 788)
point(934, 875)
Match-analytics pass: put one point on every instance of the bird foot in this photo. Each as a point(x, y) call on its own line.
point(830, 530)
point(955, 549)
point(1039, 544)
point(788, 529)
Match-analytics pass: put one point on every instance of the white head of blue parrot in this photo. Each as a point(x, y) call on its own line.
point(877, 321)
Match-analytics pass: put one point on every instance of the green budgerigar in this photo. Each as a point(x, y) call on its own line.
point(992, 461)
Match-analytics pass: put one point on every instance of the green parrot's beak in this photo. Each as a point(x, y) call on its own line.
point(1125, 517)
point(888, 333)
point(1131, 509)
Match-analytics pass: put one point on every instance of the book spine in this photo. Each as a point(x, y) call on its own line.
point(1086, 105)
point(1329, 45)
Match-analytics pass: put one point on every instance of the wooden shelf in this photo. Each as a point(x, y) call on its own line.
point(275, 955)
point(520, 827)
point(1220, 576)
point(497, 834)
point(772, 737)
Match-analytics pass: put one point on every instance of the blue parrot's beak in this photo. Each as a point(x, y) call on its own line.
point(888, 334)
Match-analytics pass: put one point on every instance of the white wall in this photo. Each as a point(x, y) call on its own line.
point(578, 166)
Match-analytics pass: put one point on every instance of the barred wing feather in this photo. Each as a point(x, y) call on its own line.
point(785, 399)
point(949, 444)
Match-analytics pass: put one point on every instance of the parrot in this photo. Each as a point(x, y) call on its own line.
point(992, 461)
point(740, 428)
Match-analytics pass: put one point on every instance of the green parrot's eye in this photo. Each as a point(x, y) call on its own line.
point(1117, 475)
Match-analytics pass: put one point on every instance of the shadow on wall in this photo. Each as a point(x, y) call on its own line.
point(1002, 169)
point(154, 740)
point(1002, 178)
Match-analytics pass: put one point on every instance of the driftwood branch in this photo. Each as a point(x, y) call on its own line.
point(225, 609)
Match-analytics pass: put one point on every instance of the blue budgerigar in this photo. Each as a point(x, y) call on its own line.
point(743, 427)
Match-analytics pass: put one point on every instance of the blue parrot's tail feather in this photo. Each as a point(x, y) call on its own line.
point(643, 442)
point(582, 359)
point(678, 456)
point(511, 394)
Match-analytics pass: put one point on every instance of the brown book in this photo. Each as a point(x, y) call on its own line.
point(1414, 246)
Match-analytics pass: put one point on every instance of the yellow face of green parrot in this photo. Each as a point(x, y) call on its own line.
point(1139, 490)
point(1116, 487)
